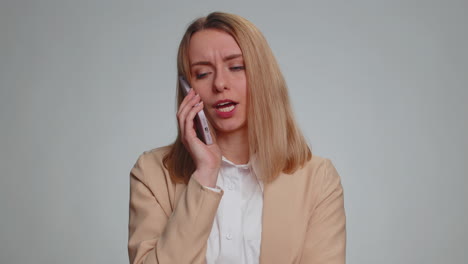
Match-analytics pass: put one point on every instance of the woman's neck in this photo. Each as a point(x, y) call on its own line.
point(234, 146)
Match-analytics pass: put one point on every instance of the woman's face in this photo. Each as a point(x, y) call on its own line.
point(218, 76)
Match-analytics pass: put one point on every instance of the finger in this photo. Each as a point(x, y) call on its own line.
point(186, 109)
point(189, 102)
point(191, 134)
point(183, 115)
point(189, 120)
point(186, 99)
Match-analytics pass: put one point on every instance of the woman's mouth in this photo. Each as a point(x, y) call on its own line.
point(225, 108)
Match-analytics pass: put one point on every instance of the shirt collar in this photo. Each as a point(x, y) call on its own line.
point(240, 166)
point(251, 165)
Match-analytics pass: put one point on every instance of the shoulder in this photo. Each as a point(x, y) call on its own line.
point(317, 167)
point(149, 165)
point(316, 176)
point(155, 155)
point(311, 173)
point(150, 180)
point(152, 157)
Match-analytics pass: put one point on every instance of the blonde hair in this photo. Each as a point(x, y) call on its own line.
point(273, 135)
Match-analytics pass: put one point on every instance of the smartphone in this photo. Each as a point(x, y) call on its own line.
point(201, 122)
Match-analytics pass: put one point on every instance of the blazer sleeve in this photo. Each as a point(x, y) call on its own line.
point(326, 234)
point(159, 236)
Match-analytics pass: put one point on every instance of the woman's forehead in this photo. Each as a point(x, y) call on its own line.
point(208, 43)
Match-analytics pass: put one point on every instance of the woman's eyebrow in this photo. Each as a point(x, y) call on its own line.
point(233, 56)
point(227, 58)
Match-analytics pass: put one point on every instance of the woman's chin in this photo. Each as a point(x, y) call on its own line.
point(230, 128)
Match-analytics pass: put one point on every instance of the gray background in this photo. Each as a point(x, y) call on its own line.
point(380, 87)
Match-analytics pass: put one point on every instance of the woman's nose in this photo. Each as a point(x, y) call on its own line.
point(220, 83)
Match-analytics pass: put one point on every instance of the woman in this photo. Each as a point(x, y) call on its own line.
point(257, 194)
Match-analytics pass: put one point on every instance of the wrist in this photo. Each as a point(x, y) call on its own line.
point(206, 178)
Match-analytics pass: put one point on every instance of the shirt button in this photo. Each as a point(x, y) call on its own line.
point(230, 186)
point(229, 236)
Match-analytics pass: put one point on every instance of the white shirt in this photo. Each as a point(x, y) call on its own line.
point(236, 233)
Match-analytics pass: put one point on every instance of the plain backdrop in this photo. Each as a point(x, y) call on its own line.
point(379, 87)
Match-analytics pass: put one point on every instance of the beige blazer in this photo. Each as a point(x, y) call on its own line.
point(303, 216)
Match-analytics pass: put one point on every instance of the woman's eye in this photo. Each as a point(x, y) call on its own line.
point(237, 68)
point(201, 75)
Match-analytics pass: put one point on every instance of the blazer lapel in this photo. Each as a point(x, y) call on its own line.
point(276, 220)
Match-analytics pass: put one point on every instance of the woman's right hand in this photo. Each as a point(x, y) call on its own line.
point(207, 158)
